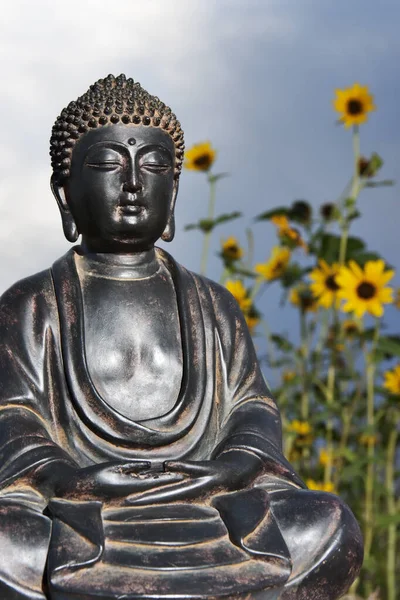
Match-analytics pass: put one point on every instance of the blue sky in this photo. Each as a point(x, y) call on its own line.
point(254, 77)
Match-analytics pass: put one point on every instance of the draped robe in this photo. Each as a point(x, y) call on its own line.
point(50, 412)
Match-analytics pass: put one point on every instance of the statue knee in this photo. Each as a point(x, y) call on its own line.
point(24, 540)
point(324, 541)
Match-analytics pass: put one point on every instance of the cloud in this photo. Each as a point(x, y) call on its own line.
point(255, 77)
point(53, 51)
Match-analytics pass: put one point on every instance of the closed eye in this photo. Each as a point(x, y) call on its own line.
point(155, 168)
point(108, 165)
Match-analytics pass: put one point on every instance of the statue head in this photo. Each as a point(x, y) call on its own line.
point(117, 153)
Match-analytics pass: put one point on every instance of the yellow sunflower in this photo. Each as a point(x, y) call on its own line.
point(299, 427)
point(276, 265)
point(364, 290)
point(231, 249)
point(289, 235)
point(354, 104)
point(350, 328)
point(303, 432)
point(366, 439)
point(392, 380)
point(288, 376)
point(292, 238)
point(303, 297)
point(325, 286)
point(252, 320)
point(320, 486)
point(325, 457)
point(200, 157)
point(280, 221)
point(239, 292)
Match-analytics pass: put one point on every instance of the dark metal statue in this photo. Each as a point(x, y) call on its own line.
point(140, 448)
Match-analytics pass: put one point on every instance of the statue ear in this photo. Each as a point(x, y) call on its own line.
point(169, 231)
point(68, 222)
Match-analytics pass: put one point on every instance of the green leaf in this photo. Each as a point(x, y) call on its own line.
point(386, 520)
point(281, 342)
point(217, 176)
point(348, 454)
point(389, 345)
point(293, 274)
point(383, 183)
point(363, 257)
point(330, 247)
point(353, 470)
point(244, 272)
point(266, 216)
point(355, 214)
point(207, 225)
point(224, 218)
point(354, 245)
point(190, 227)
point(349, 202)
point(375, 162)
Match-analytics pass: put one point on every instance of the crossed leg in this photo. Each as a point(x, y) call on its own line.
point(324, 541)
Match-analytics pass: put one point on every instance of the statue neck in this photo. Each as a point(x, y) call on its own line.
point(138, 265)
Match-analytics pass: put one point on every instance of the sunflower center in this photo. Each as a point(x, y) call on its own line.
point(351, 329)
point(307, 302)
point(366, 290)
point(278, 266)
point(204, 161)
point(232, 250)
point(331, 284)
point(354, 106)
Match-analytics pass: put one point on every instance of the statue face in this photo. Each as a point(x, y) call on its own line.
point(121, 190)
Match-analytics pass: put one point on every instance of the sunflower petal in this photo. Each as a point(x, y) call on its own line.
point(375, 308)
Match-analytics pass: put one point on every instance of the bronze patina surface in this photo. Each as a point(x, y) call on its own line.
point(141, 451)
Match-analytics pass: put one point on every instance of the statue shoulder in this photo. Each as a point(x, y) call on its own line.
point(27, 293)
point(222, 299)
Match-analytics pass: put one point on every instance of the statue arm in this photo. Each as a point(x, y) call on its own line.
point(32, 403)
point(251, 421)
point(28, 392)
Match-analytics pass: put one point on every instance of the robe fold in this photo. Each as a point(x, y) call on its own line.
point(50, 412)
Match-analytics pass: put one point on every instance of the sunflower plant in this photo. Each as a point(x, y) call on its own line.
point(338, 381)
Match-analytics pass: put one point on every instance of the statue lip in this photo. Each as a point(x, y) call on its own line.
point(129, 203)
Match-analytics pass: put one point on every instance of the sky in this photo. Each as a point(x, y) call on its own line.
point(256, 78)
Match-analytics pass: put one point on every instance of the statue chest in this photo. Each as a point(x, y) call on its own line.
point(133, 343)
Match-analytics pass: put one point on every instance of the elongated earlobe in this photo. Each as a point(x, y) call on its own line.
point(169, 231)
point(69, 226)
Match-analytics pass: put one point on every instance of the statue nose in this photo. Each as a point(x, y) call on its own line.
point(132, 186)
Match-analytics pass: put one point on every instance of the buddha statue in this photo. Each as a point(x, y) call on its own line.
point(141, 450)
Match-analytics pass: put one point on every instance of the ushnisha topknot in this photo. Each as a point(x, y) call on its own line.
point(109, 101)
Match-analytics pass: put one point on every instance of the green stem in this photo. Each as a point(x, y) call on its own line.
point(356, 152)
point(210, 217)
point(354, 192)
point(224, 275)
point(347, 416)
point(256, 288)
point(391, 509)
point(369, 484)
point(304, 359)
point(343, 244)
point(267, 333)
point(329, 425)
